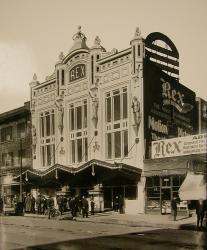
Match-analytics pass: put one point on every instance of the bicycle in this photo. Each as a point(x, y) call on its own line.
point(54, 213)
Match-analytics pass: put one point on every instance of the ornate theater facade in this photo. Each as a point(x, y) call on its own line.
point(94, 118)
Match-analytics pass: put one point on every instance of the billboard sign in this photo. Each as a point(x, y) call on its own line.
point(169, 106)
point(194, 144)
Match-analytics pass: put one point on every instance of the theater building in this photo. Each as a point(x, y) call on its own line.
point(95, 116)
point(15, 150)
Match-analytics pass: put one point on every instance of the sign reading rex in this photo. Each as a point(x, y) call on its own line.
point(77, 72)
point(193, 144)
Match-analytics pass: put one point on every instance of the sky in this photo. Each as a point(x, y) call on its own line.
point(34, 32)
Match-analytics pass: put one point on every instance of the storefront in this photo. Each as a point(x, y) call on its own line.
point(177, 169)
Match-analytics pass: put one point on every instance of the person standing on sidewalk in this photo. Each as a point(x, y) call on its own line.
point(84, 207)
point(92, 205)
point(121, 204)
point(1, 205)
point(174, 208)
point(200, 211)
point(50, 206)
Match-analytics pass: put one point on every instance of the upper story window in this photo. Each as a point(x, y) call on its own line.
point(6, 134)
point(21, 129)
point(116, 105)
point(47, 123)
point(116, 114)
point(78, 132)
point(78, 116)
point(62, 77)
point(7, 159)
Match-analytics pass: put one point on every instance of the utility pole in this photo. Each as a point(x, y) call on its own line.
point(21, 189)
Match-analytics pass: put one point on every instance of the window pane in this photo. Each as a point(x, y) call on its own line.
point(117, 144)
point(79, 114)
point(20, 129)
point(108, 109)
point(72, 119)
point(73, 151)
point(109, 146)
point(6, 134)
point(86, 148)
point(63, 75)
point(85, 116)
point(42, 149)
point(52, 124)
point(117, 107)
point(53, 153)
point(124, 105)
point(125, 143)
point(47, 125)
point(48, 155)
point(80, 151)
point(42, 126)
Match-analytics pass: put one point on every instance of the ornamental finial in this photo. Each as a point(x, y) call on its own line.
point(34, 77)
point(137, 32)
point(97, 41)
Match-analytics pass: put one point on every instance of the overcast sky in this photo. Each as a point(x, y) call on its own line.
point(34, 32)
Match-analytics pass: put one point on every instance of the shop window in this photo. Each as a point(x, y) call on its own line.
point(6, 134)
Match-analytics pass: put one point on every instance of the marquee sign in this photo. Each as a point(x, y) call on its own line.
point(194, 144)
point(77, 72)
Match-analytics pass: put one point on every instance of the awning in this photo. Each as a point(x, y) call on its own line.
point(193, 187)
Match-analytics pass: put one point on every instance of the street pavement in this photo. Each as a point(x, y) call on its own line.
point(21, 232)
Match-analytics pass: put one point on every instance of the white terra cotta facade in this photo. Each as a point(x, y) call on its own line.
point(91, 107)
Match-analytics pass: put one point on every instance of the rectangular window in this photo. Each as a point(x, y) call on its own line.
point(48, 149)
point(108, 109)
point(42, 129)
point(6, 134)
point(42, 151)
point(109, 146)
point(125, 106)
point(79, 117)
point(73, 150)
point(117, 144)
point(80, 150)
point(85, 116)
point(21, 129)
point(78, 128)
point(117, 108)
point(47, 125)
point(125, 143)
point(52, 124)
point(86, 148)
point(7, 159)
point(63, 77)
point(72, 119)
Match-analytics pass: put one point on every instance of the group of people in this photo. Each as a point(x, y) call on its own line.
point(201, 208)
point(44, 205)
point(81, 206)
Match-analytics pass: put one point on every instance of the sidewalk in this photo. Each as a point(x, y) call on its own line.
point(146, 220)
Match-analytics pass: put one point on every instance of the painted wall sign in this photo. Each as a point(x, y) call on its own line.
point(170, 107)
point(194, 144)
point(77, 72)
